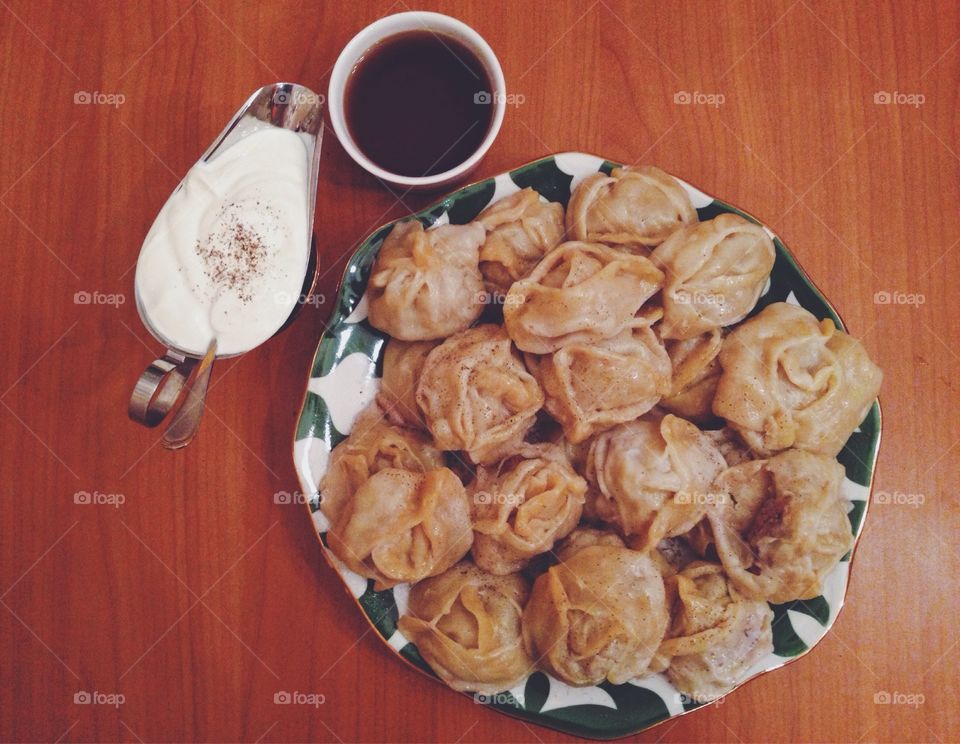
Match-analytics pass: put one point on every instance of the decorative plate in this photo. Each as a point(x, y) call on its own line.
point(345, 377)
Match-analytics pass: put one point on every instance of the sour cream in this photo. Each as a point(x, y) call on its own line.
point(227, 255)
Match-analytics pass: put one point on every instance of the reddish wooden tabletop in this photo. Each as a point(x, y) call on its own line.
point(199, 597)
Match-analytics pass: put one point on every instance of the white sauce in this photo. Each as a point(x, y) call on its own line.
point(227, 255)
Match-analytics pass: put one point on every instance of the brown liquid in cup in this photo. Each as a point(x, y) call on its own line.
point(418, 103)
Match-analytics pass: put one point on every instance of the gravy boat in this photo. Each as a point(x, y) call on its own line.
point(284, 105)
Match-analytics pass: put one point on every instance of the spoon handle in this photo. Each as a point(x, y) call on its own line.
point(186, 422)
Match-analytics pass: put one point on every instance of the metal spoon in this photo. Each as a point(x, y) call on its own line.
point(186, 422)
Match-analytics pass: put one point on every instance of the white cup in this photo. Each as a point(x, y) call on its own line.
point(390, 26)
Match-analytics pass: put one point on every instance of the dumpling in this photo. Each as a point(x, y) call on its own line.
point(732, 448)
point(402, 365)
point(373, 446)
point(402, 526)
point(731, 480)
point(696, 371)
point(466, 624)
point(593, 385)
point(672, 555)
point(599, 615)
point(784, 527)
point(427, 284)
point(652, 478)
point(578, 292)
point(715, 271)
point(789, 380)
point(585, 537)
point(715, 634)
point(476, 395)
point(521, 229)
point(523, 506)
point(640, 205)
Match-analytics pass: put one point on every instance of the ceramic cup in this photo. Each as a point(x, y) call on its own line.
point(390, 26)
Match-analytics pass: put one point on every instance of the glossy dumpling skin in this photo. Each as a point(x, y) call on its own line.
point(652, 478)
point(402, 526)
point(696, 372)
point(631, 206)
point(715, 271)
point(578, 292)
point(522, 507)
point(715, 633)
point(476, 395)
point(599, 615)
point(466, 624)
point(785, 526)
point(521, 229)
point(790, 380)
point(402, 364)
point(373, 445)
point(593, 385)
point(427, 284)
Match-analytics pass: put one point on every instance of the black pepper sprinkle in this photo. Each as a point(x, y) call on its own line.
point(234, 256)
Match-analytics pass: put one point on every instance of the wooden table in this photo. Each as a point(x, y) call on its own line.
point(198, 597)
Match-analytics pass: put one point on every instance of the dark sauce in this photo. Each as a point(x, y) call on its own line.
point(418, 103)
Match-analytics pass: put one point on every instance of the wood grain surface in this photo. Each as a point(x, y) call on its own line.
point(199, 597)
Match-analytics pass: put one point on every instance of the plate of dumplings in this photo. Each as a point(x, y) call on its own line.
point(586, 444)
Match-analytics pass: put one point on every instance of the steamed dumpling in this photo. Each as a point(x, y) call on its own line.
point(521, 508)
point(652, 478)
point(631, 206)
point(402, 364)
point(593, 385)
point(715, 634)
point(476, 395)
point(578, 292)
point(790, 380)
point(715, 271)
point(373, 446)
point(732, 448)
point(466, 624)
point(696, 372)
point(599, 615)
point(426, 284)
point(784, 527)
point(585, 537)
point(403, 526)
point(521, 229)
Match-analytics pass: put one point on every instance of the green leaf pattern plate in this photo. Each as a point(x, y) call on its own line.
point(345, 376)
